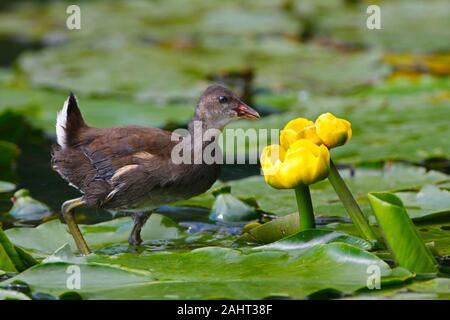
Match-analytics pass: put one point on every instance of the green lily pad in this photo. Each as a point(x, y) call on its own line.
point(436, 235)
point(215, 273)
point(312, 237)
point(272, 231)
point(12, 295)
point(348, 24)
point(429, 203)
point(229, 209)
point(439, 286)
point(48, 237)
point(26, 208)
point(434, 289)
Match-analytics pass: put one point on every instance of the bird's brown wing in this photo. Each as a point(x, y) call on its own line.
point(108, 150)
point(103, 162)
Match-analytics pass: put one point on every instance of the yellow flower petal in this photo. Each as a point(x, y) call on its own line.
point(333, 132)
point(271, 161)
point(310, 133)
point(304, 163)
point(287, 137)
point(298, 124)
point(296, 129)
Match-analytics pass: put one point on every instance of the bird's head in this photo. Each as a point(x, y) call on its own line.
point(218, 106)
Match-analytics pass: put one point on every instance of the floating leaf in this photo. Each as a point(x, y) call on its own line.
point(273, 230)
point(12, 295)
point(313, 237)
point(215, 273)
point(48, 237)
point(346, 23)
point(429, 203)
point(229, 209)
point(25, 208)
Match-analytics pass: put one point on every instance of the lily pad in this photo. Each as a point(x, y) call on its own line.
point(12, 295)
point(229, 209)
point(26, 208)
point(429, 203)
point(347, 23)
point(272, 231)
point(227, 273)
point(434, 289)
point(312, 237)
point(50, 236)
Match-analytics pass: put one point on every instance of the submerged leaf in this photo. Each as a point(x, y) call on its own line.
point(26, 208)
point(229, 209)
point(272, 231)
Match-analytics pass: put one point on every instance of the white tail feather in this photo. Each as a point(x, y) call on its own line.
point(61, 121)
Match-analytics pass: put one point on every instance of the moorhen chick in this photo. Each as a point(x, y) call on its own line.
point(130, 169)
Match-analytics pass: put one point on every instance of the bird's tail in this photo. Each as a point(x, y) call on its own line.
point(69, 122)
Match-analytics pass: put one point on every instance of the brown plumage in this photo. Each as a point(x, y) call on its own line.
point(130, 169)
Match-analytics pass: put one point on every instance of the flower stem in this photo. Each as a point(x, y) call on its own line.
point(359, 219)
point(305, 208)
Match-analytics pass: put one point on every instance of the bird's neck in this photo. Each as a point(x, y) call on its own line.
point(204, 137)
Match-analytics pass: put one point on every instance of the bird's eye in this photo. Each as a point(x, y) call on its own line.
point(223, 99)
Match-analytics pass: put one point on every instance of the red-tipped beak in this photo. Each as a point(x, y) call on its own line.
point(244, 111)
point(13, 199)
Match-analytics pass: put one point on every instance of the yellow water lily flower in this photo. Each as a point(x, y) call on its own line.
point(296, 129)
point(303, 163)
point(271, 159)
point(333, 131)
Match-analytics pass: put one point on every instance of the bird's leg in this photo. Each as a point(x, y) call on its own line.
point(69, 216)
point(139, 220)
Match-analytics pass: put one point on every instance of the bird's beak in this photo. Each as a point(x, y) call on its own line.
point(244, 111)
